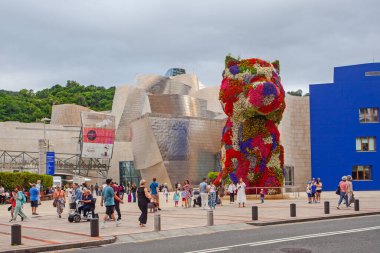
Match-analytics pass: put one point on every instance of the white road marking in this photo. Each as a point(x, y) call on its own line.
point(294, 238)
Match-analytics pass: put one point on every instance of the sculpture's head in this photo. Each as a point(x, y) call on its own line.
point(252, 87)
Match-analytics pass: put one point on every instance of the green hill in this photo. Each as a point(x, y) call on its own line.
point(30, 106)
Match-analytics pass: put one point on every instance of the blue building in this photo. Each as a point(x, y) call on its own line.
point(344, 122)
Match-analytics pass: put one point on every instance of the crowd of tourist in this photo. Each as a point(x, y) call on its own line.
point(82, 198)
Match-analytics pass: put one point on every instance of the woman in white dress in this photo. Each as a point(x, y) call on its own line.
point(241, 197)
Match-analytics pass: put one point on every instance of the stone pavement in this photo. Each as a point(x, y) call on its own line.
point(47, 229)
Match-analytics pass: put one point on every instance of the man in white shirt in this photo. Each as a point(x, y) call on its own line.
point(231, 191)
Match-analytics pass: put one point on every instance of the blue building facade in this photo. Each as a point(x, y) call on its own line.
point(345, 128)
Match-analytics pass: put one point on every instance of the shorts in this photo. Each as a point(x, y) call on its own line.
point(309, 195)
point(319, 191)
point(183, 199)
point(34, 203)
point(110, 210)
point(313, 194)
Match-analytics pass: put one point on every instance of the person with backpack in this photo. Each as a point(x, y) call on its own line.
point(20, 200)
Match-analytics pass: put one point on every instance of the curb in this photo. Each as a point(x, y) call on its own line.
point(269, 223)
point(63, 246)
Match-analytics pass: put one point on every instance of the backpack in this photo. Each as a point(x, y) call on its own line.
point(23, 200)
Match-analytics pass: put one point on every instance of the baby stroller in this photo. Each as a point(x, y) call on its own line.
point(76, 216)
point(197, 198)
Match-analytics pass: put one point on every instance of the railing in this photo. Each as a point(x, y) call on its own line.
point(274, 191)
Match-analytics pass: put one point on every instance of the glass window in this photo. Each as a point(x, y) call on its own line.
point(365, 143)
point(362, 172)
point(289, 175)
point(368, 115)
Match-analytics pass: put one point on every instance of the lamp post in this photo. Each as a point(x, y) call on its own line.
point(44, 120)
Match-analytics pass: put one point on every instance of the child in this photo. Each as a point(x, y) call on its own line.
point(183, 195)
point(262, 196)
point(176, 198)
point(166, 193)
point(308, 192)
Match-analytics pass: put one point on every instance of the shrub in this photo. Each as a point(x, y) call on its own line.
point(212, 175)
point(9, 180)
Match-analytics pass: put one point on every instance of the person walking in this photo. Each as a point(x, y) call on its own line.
point(189, 191)
point(343, 186)
point(12, 208)
point(176, 197)
point(76, 196)
point(2, 195)
point(143, 198)
point(39, 188)
point(262, 196)
point(97, 189)
point(118, 200)
point(165, 193)
point(231, 191)
point(308, 192)
point(20, 200)
point(212, 193)
point(350, 191)
point(221, 193)
point(133, 190)
point(33, 193)
point(59, 200)
point(154, 191)
point(241, 197)
point(204, 194)
point(108, 200)
point(319, 190)
point(314, 190)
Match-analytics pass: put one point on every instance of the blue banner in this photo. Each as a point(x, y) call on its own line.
point(50, 163)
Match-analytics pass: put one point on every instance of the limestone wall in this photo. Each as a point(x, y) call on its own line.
point(295, 137)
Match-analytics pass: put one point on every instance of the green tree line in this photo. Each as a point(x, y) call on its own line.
point(29, 106)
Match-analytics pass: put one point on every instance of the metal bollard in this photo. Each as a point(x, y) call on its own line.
point(157, 222)
point(356, 204)
point(327, 207)
point(292, 210)
point(16, 234)
point(210, 218)
point(94, 227)
point(255, 213)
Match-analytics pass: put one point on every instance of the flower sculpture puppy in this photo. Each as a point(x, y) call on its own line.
point(254, 100)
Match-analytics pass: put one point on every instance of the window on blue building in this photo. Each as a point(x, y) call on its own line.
point(362, 172)
point(369, 115)
point(365, 144)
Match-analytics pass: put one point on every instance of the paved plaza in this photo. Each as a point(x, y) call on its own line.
point(47, 229)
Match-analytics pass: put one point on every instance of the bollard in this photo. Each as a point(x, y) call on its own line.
point(94, 227)
point(255, 213)
point(356, 204)
point(157, 222)
point(16, 234)
point(210, 218)
point(292, 210)
point(327, 207)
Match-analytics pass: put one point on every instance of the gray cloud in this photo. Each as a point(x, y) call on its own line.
point(108, 42)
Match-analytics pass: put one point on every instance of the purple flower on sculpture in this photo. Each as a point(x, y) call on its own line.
point(234, 69)
point(274, 141)
point(262, 165)
point(269, 89)
point(244, 145)
point(234, 178)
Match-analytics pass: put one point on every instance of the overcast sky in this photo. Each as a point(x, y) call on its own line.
point(108, 42)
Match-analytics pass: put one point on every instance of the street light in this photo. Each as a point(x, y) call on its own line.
point(44, 120)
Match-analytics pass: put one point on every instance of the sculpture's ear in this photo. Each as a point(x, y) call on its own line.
point(276, 65)
point(230, 61)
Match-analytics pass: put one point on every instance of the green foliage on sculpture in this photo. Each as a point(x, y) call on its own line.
point(254, 101)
